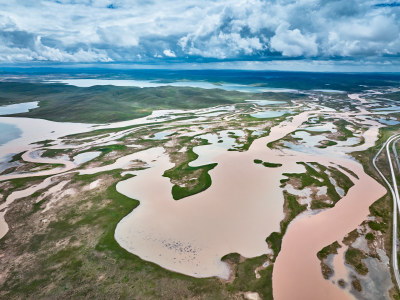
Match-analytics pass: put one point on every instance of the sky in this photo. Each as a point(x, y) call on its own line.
point(252, 33)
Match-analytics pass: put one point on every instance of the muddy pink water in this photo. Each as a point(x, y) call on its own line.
point(297, 270)
point(241, 208)
point(34, 130)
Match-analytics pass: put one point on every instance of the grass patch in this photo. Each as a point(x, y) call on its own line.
point(353, 257)
point(103, 104)
point(292, 208)
point(271, 165)
point(330, 249)
point(327, 144)
point(17, 157)
point(341, 127)
point(51, 153)
point(201, 182)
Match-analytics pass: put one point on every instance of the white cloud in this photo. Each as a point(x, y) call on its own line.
point(375, 36)
point(71, 30)
point(40, 52)
point(293, 42)
point(169, 53)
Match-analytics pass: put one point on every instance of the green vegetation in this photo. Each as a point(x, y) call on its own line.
point(330, 249)
point(350, 172)
point(17, 157)
point(274, 241)
point(51, 153)
point(271, 165)
point(121, 149)
point(341, 179)
point(354, 256)
point(21, 183)
point(292, 208)
point(199, 180)
point(351, 237)
point(382, 208)
point(30, 166)
point(76, 255)
point(344, 132)
point(310, 178)
point(369, 236)
point(102, 104)
point(377, 226)
point(327, 272)
point(45, 143)
point(203, 181)
point(267, 164)
point(313, 177)
point(106, 149)
point(381, 211)
point(327, 144)
point(356, 284)
point(244, 279)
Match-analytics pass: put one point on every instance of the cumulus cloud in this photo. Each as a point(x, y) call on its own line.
point(132, 30)
point(293, 42)
point(19, 46)
point(169, 53)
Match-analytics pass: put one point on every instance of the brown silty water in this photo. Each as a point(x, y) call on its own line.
point(240, 209)
point(231, 208)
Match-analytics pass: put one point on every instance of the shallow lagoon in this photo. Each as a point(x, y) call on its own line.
point(149, 83)
point(388, 121)
point(266, 102)
point(9, 132)
point(269, 114)
point(17, 108)
point(161, 135)
point(85, 157)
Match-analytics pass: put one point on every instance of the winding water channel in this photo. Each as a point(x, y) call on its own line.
point(243, 206)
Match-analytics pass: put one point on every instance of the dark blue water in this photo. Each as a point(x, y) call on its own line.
point(271, 79)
